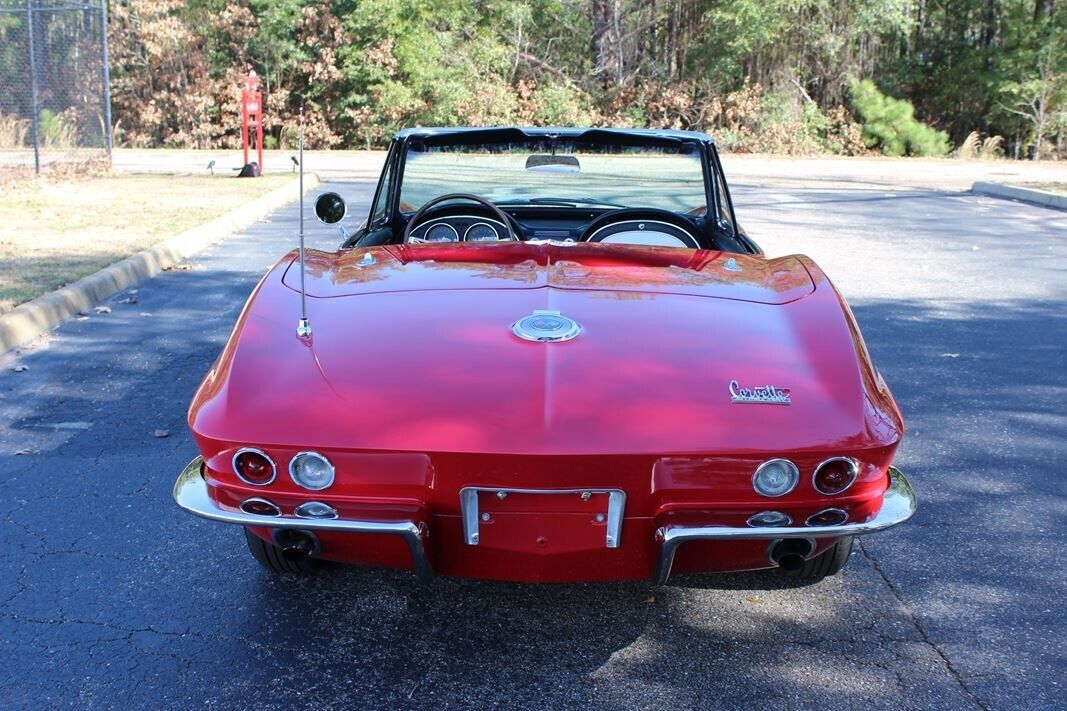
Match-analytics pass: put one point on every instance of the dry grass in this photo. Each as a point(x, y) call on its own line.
point(974, 147)
point(992, 148)
point(968, 150)
point(13, 131)
point(53, 233)
point(1058, 188)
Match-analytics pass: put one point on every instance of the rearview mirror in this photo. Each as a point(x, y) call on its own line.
point(330, 208)
point(544, 163)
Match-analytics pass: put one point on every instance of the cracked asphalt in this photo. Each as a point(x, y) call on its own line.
point(112, 597)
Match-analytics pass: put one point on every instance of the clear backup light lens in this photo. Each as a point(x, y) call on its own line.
point(254, 467)
point(315, 509)
point(775, 477)
point(311, 470)
point(835, 475)
point(769, 519)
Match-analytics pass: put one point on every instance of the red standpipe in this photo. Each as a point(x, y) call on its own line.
point(252, 116)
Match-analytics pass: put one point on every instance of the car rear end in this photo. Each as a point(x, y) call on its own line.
point(700, 417)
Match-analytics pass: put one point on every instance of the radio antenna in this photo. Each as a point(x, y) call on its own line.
point(303, 328)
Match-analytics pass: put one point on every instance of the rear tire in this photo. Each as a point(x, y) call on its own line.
point(271, 557)
point(829, 562)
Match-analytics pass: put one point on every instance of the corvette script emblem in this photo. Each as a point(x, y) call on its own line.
point(765, 395)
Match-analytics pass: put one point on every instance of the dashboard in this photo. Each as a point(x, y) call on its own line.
point(480, 228)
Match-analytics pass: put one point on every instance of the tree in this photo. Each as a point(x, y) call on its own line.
point(768, 74)
point(1035, 99)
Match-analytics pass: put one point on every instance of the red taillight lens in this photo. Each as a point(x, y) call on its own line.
point(835, 475)
point(260, 507)
point(827, 517)
point(254, 467)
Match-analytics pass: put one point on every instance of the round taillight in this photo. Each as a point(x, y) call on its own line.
point(254, 467)
point(775, 477)
point(311, 470)
point(835, 475)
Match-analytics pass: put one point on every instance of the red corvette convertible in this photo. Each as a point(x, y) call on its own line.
point(547, 355)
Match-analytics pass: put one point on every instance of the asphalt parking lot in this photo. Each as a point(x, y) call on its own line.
point(112, 597)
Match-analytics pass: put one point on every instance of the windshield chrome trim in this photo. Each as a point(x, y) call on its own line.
point(649, 139)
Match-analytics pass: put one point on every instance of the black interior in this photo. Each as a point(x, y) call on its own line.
point(541, 222)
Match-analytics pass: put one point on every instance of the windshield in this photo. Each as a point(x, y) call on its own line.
point(543, 172)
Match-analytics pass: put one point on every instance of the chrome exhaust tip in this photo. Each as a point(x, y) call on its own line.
point(297, 544)
point(790, 554)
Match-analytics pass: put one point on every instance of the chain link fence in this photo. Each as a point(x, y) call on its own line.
point(55, 104)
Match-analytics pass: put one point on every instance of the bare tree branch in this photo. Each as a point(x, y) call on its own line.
point(545, 66)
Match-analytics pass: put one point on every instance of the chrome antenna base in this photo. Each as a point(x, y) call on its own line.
point(303, 329)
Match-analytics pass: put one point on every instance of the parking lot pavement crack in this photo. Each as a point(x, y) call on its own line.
point(124, 632)
point(128, 633)
point(16, 472)
point(892, 669)
point(957, 677)
point(42, 544)
point(142, 490)
point(20, 580)
point(45, 549)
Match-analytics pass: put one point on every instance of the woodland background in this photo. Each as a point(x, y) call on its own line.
point(901, 77)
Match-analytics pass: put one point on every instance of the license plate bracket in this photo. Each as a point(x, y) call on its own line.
point(613, 511)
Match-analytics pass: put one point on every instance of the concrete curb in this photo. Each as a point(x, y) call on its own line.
point(27, 321)
point(1030, 195)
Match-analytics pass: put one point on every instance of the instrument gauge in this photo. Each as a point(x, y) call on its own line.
point(442, 232)
point(481, 232)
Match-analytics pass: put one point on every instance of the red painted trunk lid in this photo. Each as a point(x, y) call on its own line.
point(424, 358)
point(583, 267)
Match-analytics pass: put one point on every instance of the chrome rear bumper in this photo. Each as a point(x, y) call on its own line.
point(191, 494)
point(898, 505)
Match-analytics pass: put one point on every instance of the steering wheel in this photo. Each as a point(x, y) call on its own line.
point(680, 228)
point(420, 215)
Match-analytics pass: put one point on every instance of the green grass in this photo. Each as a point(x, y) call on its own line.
point(54, 233)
